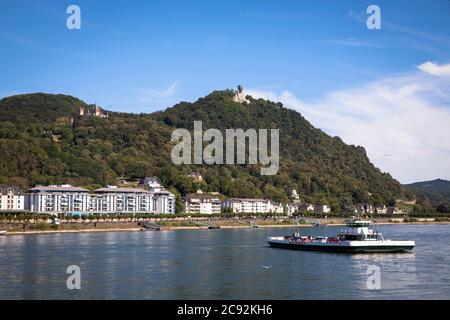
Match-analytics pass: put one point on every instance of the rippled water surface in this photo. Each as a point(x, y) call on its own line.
point(219, 264)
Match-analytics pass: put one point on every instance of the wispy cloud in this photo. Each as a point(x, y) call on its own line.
point(146, 95)
point(435, 69)
point(361, 17)
point(170, 91)
point(401, 120)
point(147, 99)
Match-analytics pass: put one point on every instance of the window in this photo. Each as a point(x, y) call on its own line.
point(10, 199)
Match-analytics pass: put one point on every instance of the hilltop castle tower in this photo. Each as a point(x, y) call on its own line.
point(240, 96)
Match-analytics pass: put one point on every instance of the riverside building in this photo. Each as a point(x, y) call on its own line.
point(202, 204)
point(163, 200)
point(11, 198)
point(244, 205)
point(57, 198)
point(111, 199)
point(123, 200)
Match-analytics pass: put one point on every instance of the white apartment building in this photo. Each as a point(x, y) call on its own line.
point(202, 204)
point(57, 198)
point(131, 200)
point(164, 202)
point(239, 205)
point(11, 198)
point(111, 199)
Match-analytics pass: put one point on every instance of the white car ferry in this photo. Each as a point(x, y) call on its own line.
point(357, 237)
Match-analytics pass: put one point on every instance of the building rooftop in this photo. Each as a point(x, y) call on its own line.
point(113, 189)
point(165, 192)
point(202, 196)
point(248, 200)
point(4, 188)
point(152, 180)
point(57, 188)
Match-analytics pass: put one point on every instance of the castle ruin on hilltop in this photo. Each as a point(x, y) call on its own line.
point(240, 96)
point(93, 111)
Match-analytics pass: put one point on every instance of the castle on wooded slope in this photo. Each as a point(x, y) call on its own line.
point(240, 96)
point(94, 111)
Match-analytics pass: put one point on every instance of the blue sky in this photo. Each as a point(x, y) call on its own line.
point(142, 56)
point(128, 51)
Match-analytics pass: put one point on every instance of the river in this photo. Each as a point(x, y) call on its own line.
point(220, 264)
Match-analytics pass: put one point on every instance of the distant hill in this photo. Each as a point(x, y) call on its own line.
point(43, 139)
point(437, 191)
point(38, 108)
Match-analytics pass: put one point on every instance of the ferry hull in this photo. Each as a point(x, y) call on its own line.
point(342, 248)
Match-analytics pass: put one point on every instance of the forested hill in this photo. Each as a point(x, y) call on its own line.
point(37, 109)
point(43, 139)
point(437, 191)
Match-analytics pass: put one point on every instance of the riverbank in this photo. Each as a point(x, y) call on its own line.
point(185, 225)
point(127, 228)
